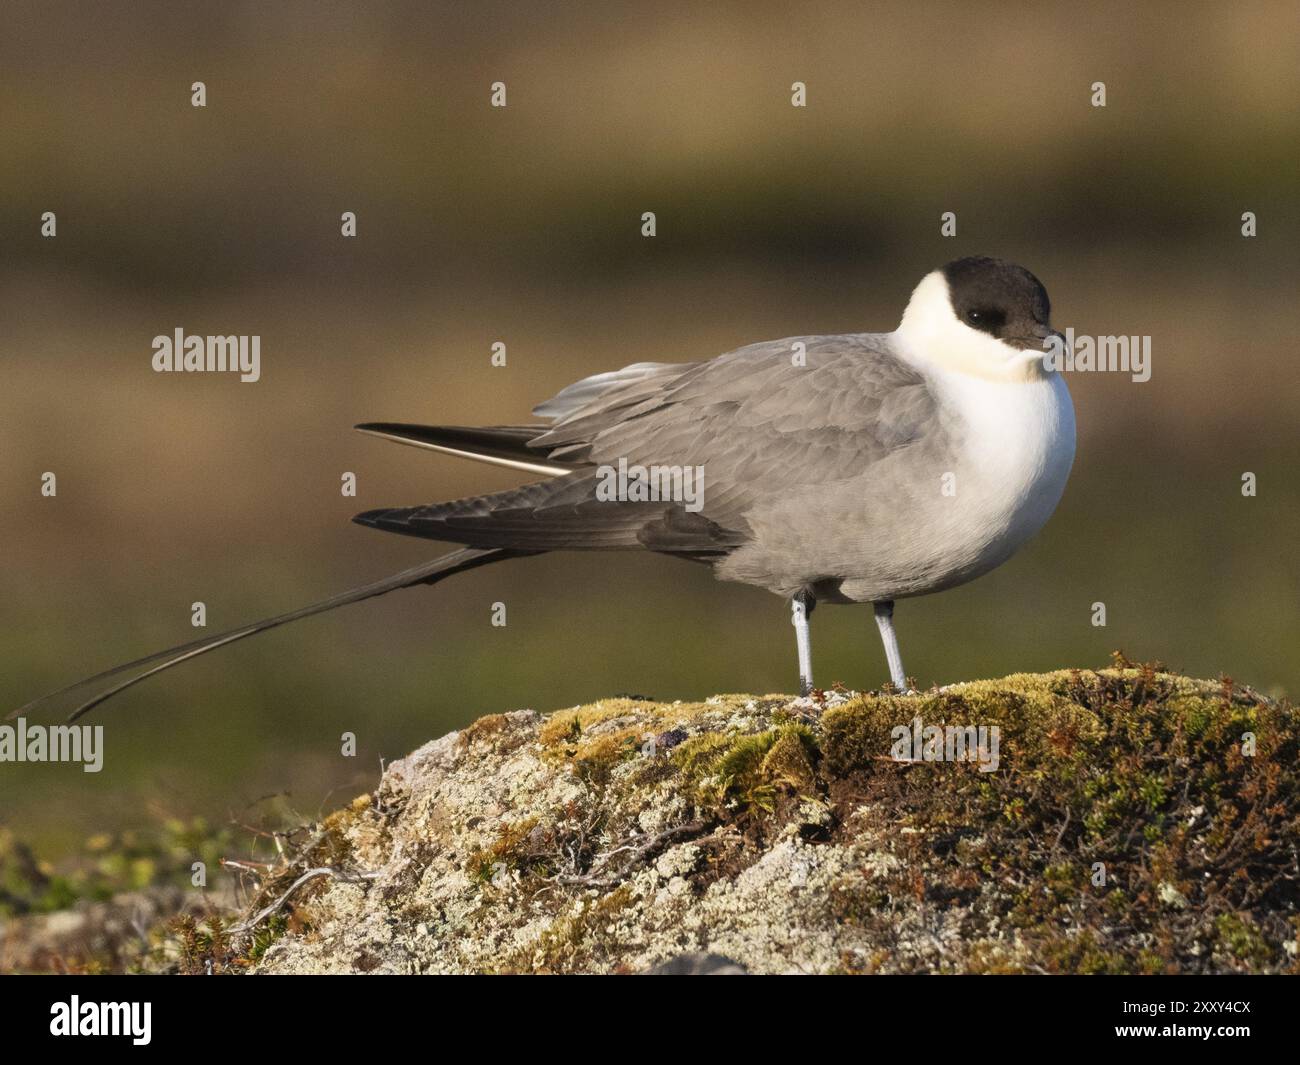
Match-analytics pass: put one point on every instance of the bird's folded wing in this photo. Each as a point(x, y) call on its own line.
point(559, 515)
point(759, 422)
point(762, 419)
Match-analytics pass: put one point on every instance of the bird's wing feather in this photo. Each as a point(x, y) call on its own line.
point(563, 514)
point(757, 420)
point(641, 378)
point(500, 445)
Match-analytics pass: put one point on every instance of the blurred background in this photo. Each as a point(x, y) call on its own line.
point(523, 225)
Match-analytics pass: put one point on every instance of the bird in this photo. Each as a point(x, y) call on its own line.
point(846, 468)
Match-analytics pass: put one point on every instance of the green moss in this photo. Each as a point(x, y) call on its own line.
point(696, 757)
point(1132, 774)
point(265, 935)
point(567, 727)
point(206, 948)
point(743, 772)
point(1239, 939)
point(508, 853)
point(585, 738)
point(791, 760)
point(1083, 954)
point(595, 760)
point(488, 728)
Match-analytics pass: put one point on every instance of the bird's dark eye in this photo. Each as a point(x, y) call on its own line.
point(986, 318)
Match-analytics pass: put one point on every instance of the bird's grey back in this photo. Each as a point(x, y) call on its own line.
point(762, 419)
point(788, 434)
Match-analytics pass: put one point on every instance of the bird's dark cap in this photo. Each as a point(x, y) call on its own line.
point(998, 297)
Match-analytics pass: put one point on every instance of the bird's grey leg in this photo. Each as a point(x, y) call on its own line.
point(801, 606)
point(885, 622)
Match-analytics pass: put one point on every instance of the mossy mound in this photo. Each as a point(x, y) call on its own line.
point(1140, 822)
point(1115, 821)
point(1132, 821)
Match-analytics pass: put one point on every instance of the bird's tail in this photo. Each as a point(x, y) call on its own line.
point(428, 573)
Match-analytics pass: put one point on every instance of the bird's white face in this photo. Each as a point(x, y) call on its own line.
point(986, 335)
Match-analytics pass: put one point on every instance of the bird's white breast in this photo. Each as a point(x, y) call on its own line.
point(1016, 447)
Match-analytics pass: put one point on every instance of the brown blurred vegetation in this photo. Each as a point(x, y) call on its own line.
point(521, 225)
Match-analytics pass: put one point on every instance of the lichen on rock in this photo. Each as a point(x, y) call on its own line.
point(1137, 821)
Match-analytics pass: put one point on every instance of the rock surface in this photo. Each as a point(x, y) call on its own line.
point(1136, 821)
